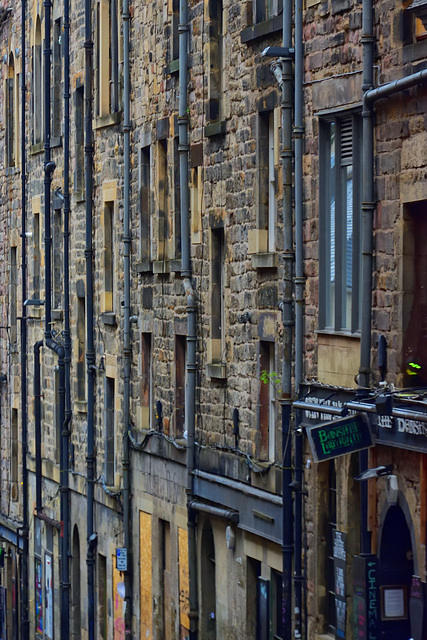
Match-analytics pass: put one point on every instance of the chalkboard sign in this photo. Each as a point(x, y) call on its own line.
point(339, 437)
point(365, 598)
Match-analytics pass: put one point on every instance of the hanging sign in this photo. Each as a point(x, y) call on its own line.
point(339, 437)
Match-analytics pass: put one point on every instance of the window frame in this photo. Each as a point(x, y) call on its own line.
point(333, 315)
point(264, 10)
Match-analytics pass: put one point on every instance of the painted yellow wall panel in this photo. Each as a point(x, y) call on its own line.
point(184, 584)
point(118, 603)
point(145, 569)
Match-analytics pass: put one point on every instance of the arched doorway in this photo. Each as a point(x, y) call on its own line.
point(75, 587)
point(208, 583)
point(396, 567)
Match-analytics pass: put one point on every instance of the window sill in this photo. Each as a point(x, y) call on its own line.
point(216, 370)
point(415, 51)
point(36, 148)
point(56, 141)
point(173, 67)
point(12, 170)
point(81, 406)
point(268, 260)
point(57, 314)
point(108, 120)
point(79, 196)
point(35, 312)
point(145, 266)
point(161, 266)
point(109, 318)
point(345, 334)
point(261, 29)
point(215, 128)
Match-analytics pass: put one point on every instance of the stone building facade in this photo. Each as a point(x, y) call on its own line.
point(157, 454)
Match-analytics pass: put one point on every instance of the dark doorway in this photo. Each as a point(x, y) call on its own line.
point(396, 567)
point(208, 621)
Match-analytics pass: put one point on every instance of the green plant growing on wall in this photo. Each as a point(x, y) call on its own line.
point(271, 378)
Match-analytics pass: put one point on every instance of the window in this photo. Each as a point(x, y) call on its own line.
point(145, 204)
point(36, 256)
point(37, 85)
point(107, 58)
point(340, 222)
point(265, 9)
point(57, 260)
point(163, 200)
point(81, 351)
point(267, 181)
point(14, 457)
point(215, 61)
point(196, 196)
point(108, 256)
point(11, 120)
point(414, 296)
point(109, 431)
point(79, 127)
point(180, 379)
point(175, 32)
point(266, 401)
point(146, 381)
point(217, 295)
point(13, 293)
point(177, 200)
point(57, 417)
point(56, 77)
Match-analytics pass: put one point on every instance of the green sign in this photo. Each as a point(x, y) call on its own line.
point(333, 439)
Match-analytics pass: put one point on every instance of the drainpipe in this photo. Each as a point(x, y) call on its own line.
point(38, 424)
point(368, 206)
point(49, 168)
point(186, 273)
point(127, 352)
point(65, 424)
point(25, 625)
point(286, 307)
point(90, 352)
point(299, 306)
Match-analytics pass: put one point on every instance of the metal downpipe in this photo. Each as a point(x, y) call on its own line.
point(49, 168)
point(190, 391)
point(299, 307)
point(368, 206)
point(286, 307)
point(25, 624)
point(90, 352)
point(38, 425)
point(126, 326)
point(65, 425)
